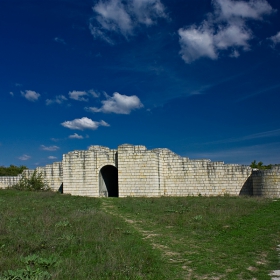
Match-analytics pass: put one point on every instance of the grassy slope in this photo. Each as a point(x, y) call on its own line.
point(140, 238)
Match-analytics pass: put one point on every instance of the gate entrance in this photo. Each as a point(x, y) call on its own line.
point(108, 181)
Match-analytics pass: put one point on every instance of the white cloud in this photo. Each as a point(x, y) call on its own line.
point(59, 40)
point(11, 93)
point(225, 29)
point(30, 95)
point(275, 39)
point(232, 36)
point(78, 95)
point(50, 148)
point(55, 139)
point(118, 103)
point(196, 42)
point(83, 123)
point(24, 157)
point(116, 16)
point(253, 9)
point(59, 99)
point(147, 11)
point(97, 33)
point(235, 54)
point(52, 157)
point(76, 136)
point(94, 93)
point(112, 16)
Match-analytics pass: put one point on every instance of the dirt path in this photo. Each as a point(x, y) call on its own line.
point(169, 255)
point(276, 273)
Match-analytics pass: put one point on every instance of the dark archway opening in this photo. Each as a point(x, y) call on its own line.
point(60, 190)
point(108, 181)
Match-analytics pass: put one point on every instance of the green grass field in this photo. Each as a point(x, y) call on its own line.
point(45, 235)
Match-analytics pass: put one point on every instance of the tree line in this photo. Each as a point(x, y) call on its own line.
point(260, 165)
point(12, 170)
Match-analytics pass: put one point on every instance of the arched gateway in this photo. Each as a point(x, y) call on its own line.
point(108, 181)
point(135, 171)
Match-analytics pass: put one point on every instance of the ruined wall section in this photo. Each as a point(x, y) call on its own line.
point(182, 176)
point(52, 174)
point(8, 181)
point(266, 182)
point(81, 170)
point(138, 171)
point(160, 172)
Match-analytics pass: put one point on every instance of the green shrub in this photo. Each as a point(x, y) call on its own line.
point(35, 182)
point(26, 274)
point(34, 270)
point(260, 165)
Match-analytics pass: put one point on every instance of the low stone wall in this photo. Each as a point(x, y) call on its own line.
point(266, 182)
point(53, 175)
point(8, 181)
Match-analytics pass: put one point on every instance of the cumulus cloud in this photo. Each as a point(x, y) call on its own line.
point(147, 11)
point(116, 16)
point(76, 136)
point(233, 36)
point(52, 157)
point(253, 9)
point(196, 42)
point(225, 29)
point(83, 123)
point(275, 39)
point(59, 99)
point(112, 16)
point(50, 148)
point(30, 95)
point(118, 103)
point(78, 95)
point(24, 157)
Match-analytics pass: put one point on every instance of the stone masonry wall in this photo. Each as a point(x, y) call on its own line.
point(161, 172)
point(81, 170)
point(152, 173)
point(182, 176)
point(53, 175)
point(266, 182)
point(8, 181)
point(138, 171)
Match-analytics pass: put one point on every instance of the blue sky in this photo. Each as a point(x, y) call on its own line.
point(201, 78)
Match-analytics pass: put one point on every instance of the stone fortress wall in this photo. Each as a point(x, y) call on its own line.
point(135, 171)
point(267, 182)
point(7, 181)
